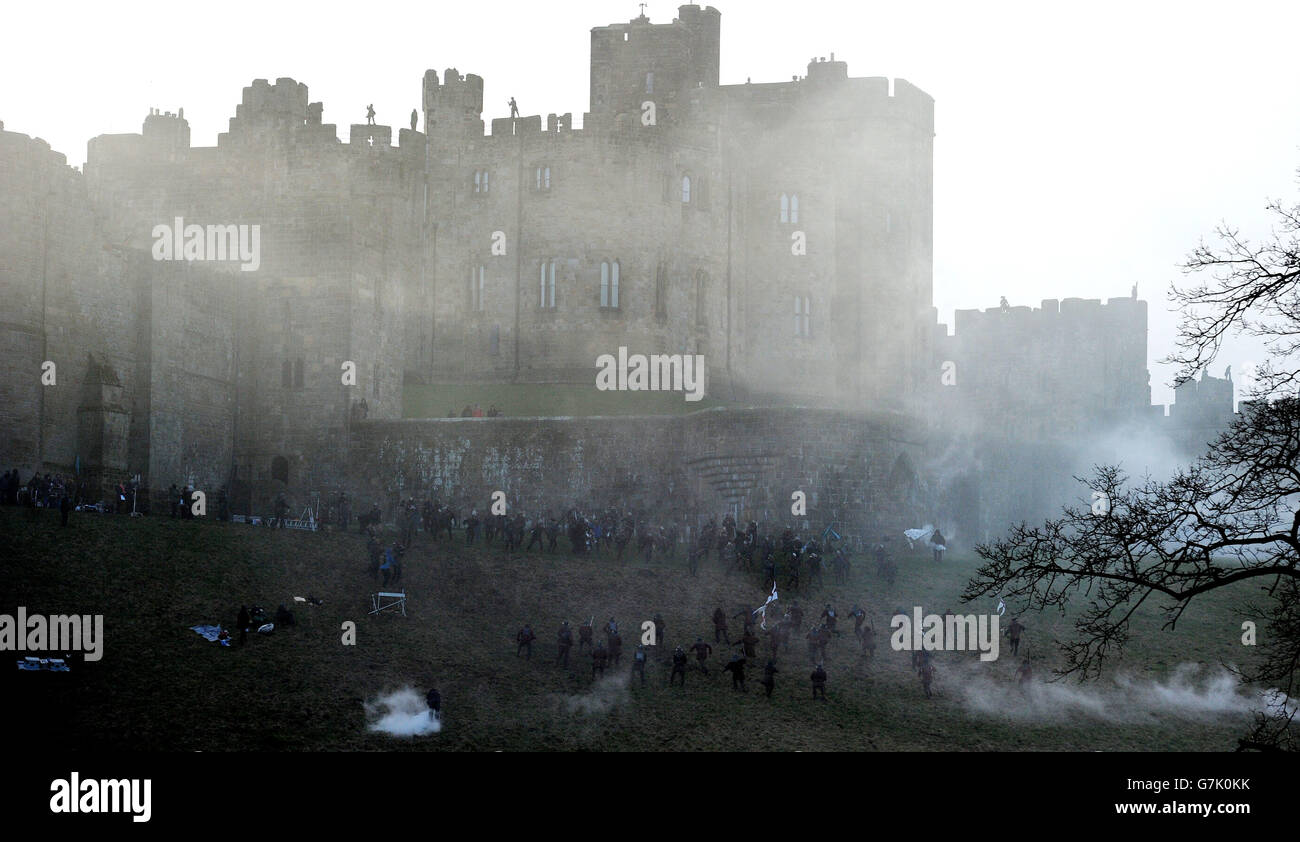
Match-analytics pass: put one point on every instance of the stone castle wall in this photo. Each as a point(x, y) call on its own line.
point(855, 470)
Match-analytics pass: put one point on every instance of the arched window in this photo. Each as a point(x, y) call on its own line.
point(480, 181)
point(546, 277)
point(609, 271)
point(280, 469)
point(543, 177)
point(477, 281)
point(785, 208)
point(686, 189)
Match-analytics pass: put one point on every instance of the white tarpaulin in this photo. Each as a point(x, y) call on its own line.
point(922, 534)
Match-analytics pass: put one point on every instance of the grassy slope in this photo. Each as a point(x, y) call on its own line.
point(162, 687)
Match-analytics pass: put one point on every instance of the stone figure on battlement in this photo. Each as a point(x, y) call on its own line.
point(415, 117)
point(370, 114)
point(514, 108)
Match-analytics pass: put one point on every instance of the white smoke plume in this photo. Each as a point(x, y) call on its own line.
point(603, 696)
point(1191, 692)
point(402, 713)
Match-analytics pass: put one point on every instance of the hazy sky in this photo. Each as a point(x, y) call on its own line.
point(1079, 147)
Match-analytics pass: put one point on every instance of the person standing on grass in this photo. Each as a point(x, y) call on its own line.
point(565, 641)
point(736, 666)
point(720, 626)
point(525, 639)
point(819, 683)
point(702, 651)
point(769, 677)
point(679, 666)
point(638, 662)
point(940, 544)
point(1014, 631)
point(471, 526)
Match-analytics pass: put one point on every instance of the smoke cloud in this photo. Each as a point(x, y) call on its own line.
point(603, 696)
point(402, 713)
point(1191, 692)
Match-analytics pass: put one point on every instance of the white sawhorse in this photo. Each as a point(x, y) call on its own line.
point(388, 599)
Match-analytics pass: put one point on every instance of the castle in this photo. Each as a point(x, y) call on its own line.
point(782, 231)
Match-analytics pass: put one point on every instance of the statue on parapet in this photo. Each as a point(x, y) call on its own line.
point(415, 117)
point(514, 109)
point(370, 114)
point(1004, 305)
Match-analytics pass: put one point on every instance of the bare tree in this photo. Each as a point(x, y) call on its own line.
point(1227, 521)
point(1246, 288)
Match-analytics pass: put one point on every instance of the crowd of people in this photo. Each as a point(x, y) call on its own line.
point(783, 560)
point(473, 410)
point(777, 557)
point(125, 497)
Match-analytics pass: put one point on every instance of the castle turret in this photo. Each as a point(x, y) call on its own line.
point(453, 109)
point(639, 60)
point(166, 134)
point(268, 111)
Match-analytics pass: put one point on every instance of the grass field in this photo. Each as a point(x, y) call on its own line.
point(160, 686)
point(531, 399)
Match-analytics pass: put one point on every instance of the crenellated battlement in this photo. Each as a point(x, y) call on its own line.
point(827, 91)
point(556, 124)
point(1052, 312)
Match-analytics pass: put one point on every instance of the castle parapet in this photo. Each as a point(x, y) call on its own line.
point(370, 135)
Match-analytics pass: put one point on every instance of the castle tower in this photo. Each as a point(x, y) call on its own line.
point(639, 60)
point(166, 134)
point(453, 109)
point(268, 112)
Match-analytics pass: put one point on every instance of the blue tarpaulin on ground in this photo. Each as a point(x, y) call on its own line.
point(208, 632)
